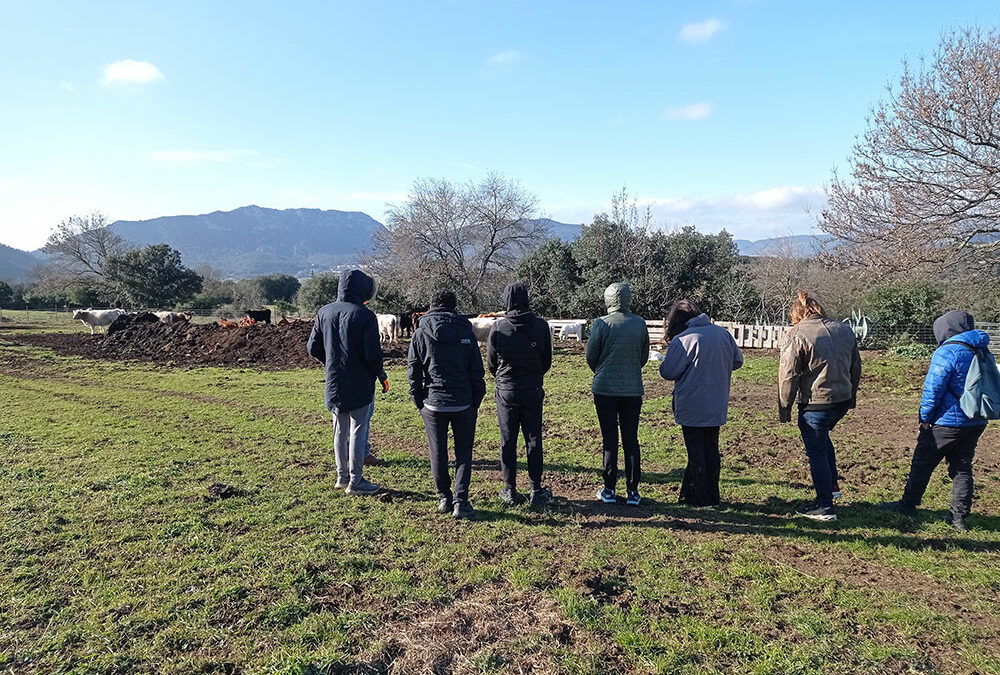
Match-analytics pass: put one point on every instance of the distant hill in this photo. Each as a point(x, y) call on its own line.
point(252, 240)
point(564, 231)
point(16, 265)
point(800, 245)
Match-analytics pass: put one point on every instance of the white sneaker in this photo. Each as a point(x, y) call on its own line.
point(342, 483)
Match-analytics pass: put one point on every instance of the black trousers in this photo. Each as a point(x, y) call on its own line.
point(701, 477)
point(520, 412)
point(957, 446)
point(614, 413)
point(463, 427)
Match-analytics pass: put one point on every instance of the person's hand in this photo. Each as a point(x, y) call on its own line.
point(784, 415)
point(385, 385)
point(926, 426)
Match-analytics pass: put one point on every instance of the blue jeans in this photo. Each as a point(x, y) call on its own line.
point(815, 426)
point(368, 443)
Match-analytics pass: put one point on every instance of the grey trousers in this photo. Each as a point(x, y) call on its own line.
point(350, 434)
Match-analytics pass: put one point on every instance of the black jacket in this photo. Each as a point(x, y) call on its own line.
point(519, 348)
point(345, 338)
point(444, 365)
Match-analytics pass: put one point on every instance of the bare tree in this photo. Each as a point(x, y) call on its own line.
point(469, 237)
point(80, 247)
point(923, 195)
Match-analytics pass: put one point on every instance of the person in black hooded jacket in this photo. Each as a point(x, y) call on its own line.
point(447, 385)
point(518, 354)
point(345, 339)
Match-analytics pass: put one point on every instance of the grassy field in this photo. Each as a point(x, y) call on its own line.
point(121, 552)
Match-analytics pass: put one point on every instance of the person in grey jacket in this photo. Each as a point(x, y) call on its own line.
point(700, 360)
point(617, 350)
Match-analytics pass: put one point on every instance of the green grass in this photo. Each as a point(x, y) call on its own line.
point(114, 557)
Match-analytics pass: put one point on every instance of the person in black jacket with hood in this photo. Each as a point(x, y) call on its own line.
point(345, 338)
point(518, 354)
point(447, 384)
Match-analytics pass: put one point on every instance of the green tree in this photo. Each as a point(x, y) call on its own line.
point(553, 278)
point(318, 290)
point(897, 306)
point(152, 277)
point(6, 294)
point(276, 287)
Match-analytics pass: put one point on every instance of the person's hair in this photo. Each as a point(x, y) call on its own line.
point(444, 298)
point(681, 312)
point(803, 307)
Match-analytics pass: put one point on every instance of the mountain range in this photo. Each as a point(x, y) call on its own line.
point(252, 240)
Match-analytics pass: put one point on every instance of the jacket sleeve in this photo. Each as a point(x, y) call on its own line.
point(855, 373)
point(644, 345)
point(595, 345)
point(789, 376)
point(675, 362)
point(415, 370)
point(477, 376)
point(737, 354)
point(372, 346)
point(492, 360)
point(546, 349)
point(935, 386)
point(315, 344)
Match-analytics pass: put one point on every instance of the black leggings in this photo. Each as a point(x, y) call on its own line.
point(614, 412)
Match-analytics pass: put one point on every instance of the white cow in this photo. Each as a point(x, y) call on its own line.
point(481, 326)
point(97, 318)
point(571, 329)
point(388, 327)
point(173, 317)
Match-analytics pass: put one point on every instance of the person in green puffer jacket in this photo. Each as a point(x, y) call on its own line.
point(617, 350)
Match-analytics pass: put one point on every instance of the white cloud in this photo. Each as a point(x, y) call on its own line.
point(67, 86)
point(777, 197)
point(505, 58)
point(130, 73)
point(695, 111)
point(701, 31)
point(200, 156)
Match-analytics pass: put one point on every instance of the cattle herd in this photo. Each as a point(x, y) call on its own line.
point(392, 327)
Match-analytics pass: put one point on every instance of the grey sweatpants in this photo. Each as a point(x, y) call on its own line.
point(350, 433)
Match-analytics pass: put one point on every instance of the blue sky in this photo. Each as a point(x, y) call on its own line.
point(719, 114)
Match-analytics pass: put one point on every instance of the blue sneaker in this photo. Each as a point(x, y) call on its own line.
point(607, 496)
point(633, 498)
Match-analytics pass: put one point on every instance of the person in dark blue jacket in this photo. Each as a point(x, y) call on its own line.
point(345, 339)
point(945, 431)
point(447, 385)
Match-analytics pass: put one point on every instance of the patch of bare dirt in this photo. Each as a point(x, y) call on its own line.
point(269, 346)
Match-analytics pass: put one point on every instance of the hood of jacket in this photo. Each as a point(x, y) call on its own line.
point(515, 301)
point(355, 286)
point(976, 338)
point(445, 326)
point(618, 297)
point(951, 324)
point(700, 320)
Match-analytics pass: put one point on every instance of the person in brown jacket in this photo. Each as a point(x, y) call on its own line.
point(820, 369)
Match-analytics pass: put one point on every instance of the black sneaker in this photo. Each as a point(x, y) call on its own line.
point(462, 511)
point(898, 507)
point(509, 496)
point(607, 496)
point(539, 496)
point(815, 512)
point(958, 522)
point(445, 505)
point(633, 498)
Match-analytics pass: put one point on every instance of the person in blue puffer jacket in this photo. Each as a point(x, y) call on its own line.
point(946, 432)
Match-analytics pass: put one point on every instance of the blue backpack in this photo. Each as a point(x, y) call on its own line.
point(981, 397)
